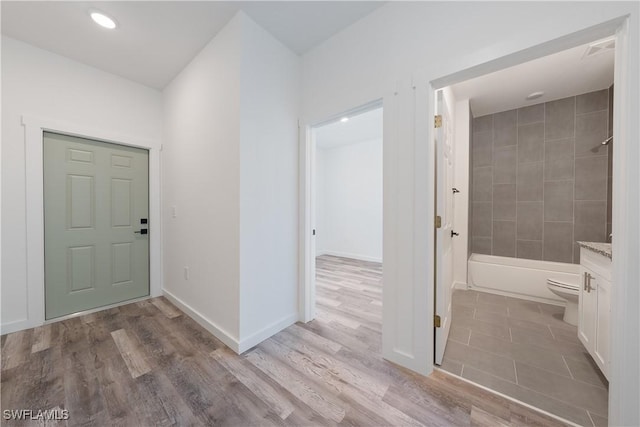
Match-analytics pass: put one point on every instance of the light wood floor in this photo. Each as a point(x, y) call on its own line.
point(148, 364)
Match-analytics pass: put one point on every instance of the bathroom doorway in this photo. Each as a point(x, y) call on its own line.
point(537, 169)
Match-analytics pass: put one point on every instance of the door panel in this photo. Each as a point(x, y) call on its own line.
point(445, 209)
point(95, 195)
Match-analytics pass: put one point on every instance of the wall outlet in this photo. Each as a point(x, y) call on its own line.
point(186, 273)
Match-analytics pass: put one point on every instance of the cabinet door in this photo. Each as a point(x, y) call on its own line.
point(587, 309)
point(603, 315)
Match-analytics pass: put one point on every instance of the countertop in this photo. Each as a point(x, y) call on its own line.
point(597, 247)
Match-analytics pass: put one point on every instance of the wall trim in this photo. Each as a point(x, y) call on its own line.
point(350, 255)
point(34, 128)
point(460, 285)
point(214, 329)
point(266, 332)
point(15, 326)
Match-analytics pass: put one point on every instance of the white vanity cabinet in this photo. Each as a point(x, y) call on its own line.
point(594, 306)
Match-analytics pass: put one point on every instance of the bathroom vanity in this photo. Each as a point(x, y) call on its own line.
point(594, 306)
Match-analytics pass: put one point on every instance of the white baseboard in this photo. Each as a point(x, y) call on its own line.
point(266, 332)
point(460, 285)
point(218, 332)
point(15, 326)
point(350, 255)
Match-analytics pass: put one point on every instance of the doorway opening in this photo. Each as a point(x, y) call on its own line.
point(346, 213)
point(533, 154)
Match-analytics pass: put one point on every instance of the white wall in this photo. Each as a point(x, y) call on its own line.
point(230, 170)
point(461, 200)
point(349, 201)
point(269, 106)
point(45, 85)
point(393, 54)
point(201, 179)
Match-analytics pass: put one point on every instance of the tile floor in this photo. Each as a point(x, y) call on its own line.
point(523, 349)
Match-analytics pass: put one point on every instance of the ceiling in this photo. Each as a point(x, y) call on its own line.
point(560, 75)
point(361, 127)
point(155, 40)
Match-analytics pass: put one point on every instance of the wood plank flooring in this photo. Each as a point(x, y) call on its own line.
point(147, 364)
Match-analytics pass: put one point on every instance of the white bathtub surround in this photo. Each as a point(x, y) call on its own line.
point(520, 278)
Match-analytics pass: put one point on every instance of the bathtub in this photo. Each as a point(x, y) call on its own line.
point(520, 278)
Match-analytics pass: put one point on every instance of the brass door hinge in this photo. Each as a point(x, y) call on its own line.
point(438, 221)
point(437, 122)
point(436, 321)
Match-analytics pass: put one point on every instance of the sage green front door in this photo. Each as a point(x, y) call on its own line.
point(96, 210)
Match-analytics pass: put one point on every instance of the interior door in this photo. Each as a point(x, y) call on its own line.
point(96, 210)
point(444, 234)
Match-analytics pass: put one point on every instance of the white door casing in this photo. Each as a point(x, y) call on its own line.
point(444, 234)
point(34, 128)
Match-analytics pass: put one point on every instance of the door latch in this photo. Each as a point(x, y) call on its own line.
point(453, 233)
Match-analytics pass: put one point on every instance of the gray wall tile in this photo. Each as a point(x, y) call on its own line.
point(559, 118)
point(482, 184)
point(558, 159)
point(482, 140)
point(482, 219)
point(530, 218)
point(531, 143)
point(483, 124)
point(591, 131)
point(504, 202)
point(590, 221)
point(504, 128)
point(592, 101)
point(558, 201)
point(541, 179)
point(481, 245)
point(529, 249)
point(482, 148)
point(558, 242)
point(531, 114)
point(591, 178)
point(482, 157)
point(529, 182)
point(504, 238)
point(504, 165)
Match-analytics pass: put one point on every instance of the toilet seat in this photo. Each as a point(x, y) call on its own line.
point(563, 285)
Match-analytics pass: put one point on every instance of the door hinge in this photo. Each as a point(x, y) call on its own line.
point(436, 321)
point(438, 221)
point(437, 122)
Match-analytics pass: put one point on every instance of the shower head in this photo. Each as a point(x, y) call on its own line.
point(607, 141)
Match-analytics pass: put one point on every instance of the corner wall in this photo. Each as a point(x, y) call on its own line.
point(201, 185)
point(269, 107)
point(230, 171)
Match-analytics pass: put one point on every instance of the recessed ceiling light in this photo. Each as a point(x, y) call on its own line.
point(534, 95)
point(344, 119)
point(103, 20)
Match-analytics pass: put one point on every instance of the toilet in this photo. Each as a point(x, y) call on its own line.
point(569, 293)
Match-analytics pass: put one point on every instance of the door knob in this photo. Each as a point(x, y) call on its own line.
point(453, 233)
point(143, 231)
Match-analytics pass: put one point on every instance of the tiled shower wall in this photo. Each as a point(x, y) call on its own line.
point(539, 177)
